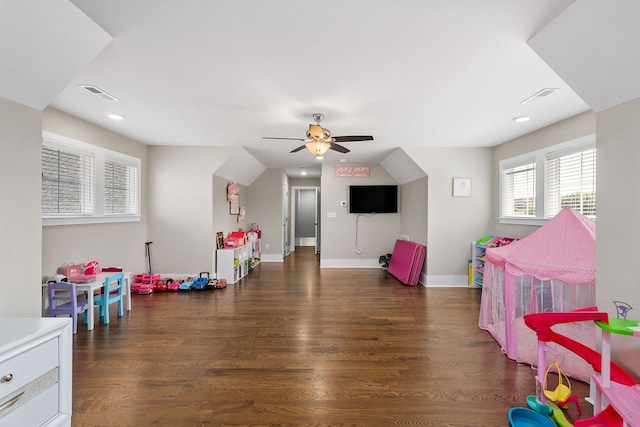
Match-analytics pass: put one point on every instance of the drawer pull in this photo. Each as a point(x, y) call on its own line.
point(8, 404)
point(7, 378)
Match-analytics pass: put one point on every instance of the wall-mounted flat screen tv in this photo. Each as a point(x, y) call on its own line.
point(373, 199)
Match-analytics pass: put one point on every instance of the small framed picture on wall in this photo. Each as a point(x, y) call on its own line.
point(461, 187)
point(234, 206)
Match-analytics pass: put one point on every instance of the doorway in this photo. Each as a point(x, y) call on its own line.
point(305, 215)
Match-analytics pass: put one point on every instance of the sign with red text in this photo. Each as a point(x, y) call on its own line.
point(351, 171)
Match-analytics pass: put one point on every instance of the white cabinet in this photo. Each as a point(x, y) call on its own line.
point(35, 371)
point(232, 264)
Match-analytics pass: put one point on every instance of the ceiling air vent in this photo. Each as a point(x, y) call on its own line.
point(97, 91)
point(541, 94)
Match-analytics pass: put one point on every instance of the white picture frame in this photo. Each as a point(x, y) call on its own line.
point(461, 187)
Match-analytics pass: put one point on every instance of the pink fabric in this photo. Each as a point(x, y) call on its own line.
point(564, 249)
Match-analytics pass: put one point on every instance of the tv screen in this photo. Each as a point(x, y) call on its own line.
point(373, 199)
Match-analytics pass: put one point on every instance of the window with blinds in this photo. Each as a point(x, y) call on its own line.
point(84, 183)
point(120, 188)
point(519, 190)
point(67, 181)
point(534, 187)
point(571, 181)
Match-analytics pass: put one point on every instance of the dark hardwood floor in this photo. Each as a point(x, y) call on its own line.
point(295, 345)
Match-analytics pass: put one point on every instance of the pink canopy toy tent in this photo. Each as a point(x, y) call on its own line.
point(550, 270)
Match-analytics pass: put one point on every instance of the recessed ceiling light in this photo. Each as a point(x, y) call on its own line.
point(114, 116)
point(521, 119)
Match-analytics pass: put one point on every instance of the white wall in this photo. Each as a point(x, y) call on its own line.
point(414, 210)
point(376, 234)
point(180, 201)
point(114, 244)
point(20, 215)
point(617, 248)
point(454, 222)
point(265, 209)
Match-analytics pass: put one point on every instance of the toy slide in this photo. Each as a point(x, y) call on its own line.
point(541, 323)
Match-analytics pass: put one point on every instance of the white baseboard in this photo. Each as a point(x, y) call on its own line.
point(271, 258)
point(434, 281)
point(349, 263)
point(182, 276)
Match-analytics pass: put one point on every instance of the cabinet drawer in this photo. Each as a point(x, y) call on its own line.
point(27, 366)
point(35, 412)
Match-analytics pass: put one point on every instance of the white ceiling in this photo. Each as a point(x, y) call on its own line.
point(433, 73)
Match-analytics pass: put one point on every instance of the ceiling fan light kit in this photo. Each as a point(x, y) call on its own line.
point(318, 147)
point(319, 139)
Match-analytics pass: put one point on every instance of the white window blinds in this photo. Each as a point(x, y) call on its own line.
point(571, 181)
point(519, 190)
point(67, 180)
point(120, 188)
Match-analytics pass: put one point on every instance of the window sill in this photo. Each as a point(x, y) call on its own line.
point(524, 221)
point(78, 220)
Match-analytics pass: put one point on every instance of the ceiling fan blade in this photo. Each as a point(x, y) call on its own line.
point(353, 138)
point(339, 148)
point(289, 139)
point(295, 150)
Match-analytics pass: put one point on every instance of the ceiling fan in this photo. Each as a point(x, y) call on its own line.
point(319, 139)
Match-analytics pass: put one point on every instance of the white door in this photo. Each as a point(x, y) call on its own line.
point(285, 221)
point(317, 223)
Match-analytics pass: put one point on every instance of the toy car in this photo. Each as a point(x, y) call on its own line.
point(220, 283)
point(162, 285)
point(173, 285)
point(148, 285)
point(201, 282)
point(137, 281)
point(187, 285)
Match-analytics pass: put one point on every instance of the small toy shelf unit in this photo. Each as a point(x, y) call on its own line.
point(478, 255)
point(237, 258)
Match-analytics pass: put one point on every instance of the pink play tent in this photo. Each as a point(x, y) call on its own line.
point(552, 269)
